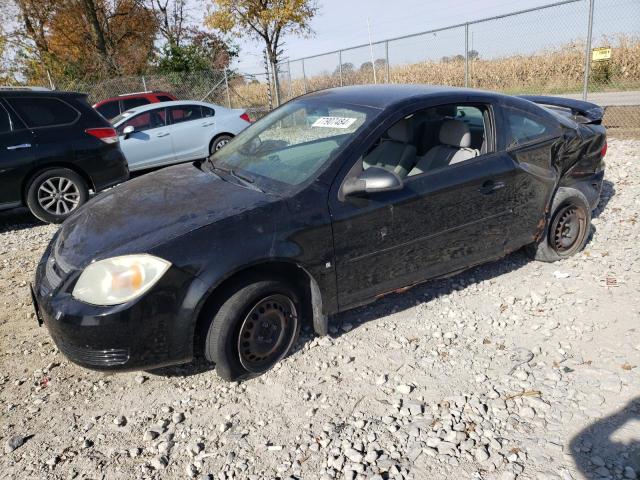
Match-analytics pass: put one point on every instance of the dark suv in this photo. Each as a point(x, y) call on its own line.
point(54, 149)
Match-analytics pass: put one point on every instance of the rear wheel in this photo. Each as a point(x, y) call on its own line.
point(54, 194)
point(253, 329)
point(568, 230)
point(219, 142)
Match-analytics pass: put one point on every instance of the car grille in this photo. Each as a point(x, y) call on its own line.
point(53, 273)
point(98, 358)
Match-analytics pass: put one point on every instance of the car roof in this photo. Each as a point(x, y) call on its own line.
point(39, 93)
point(127, 96)
point(153, 106)
point(387, 95)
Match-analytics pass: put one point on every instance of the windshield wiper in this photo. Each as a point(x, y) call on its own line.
point(244, 180)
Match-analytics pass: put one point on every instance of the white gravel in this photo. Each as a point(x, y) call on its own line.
point(516, 369)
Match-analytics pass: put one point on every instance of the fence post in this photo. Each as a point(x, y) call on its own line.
point(226, 84)
point(466, 54)
point(144, 84)
point(266, 69)
point(340, 65)
point(290, 80)
point(587, 52)
point(53, 87)
point(304, 77)
point(386, 53)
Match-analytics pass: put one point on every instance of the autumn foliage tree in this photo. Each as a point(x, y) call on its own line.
point(266, 20)
point(84, 38)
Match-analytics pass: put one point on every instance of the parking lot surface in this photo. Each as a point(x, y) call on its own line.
point(516, 369)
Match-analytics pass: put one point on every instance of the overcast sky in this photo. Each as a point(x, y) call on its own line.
point(343, 23)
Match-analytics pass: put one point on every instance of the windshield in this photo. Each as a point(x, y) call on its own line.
point(289, 146)
point(122, 116)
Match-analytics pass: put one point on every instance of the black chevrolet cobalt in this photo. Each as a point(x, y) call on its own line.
point(329, 202)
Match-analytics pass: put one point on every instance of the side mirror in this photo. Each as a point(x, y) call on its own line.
point(372, 180)
point(128, 130)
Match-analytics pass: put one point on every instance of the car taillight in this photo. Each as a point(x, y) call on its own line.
point(245, 117)
point(107, 135)
point(603, 152)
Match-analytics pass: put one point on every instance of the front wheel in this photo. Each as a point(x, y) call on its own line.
point(568, 229)
point(218, 143)
point(56, 193)
point(253, 329)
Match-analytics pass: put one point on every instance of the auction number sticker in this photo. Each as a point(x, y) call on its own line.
point(334, 122)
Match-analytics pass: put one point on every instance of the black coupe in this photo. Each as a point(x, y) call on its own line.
point(329, 202)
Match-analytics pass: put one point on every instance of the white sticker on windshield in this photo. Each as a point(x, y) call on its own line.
point(334, 122)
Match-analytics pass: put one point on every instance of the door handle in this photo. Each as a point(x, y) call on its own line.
point(18, 147)
point(490, 186)
point(206, 124)
point(163, 134)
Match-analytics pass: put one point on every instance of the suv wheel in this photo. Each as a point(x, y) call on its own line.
point(54, 194)
point(253, 329)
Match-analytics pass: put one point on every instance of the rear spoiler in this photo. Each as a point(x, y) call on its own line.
point(583, 112)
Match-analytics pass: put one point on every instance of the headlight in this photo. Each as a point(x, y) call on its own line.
point(119, 279)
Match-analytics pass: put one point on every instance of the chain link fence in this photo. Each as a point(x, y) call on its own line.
point(580, 48)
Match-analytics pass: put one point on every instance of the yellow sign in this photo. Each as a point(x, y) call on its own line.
point(600, 54)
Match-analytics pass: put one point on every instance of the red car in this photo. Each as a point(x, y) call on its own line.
point(112, 107)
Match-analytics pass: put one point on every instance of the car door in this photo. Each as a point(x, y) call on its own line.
point(190, 131)
point(529, 140)
point(17, 157)
point(150, 144)
point(442, 221)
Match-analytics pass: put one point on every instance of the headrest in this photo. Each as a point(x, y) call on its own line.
point(455, 133)
point(400, 131)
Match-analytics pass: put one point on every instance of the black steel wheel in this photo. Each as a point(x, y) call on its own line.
point(252, 326)
point(267, 332)
point(568, 228)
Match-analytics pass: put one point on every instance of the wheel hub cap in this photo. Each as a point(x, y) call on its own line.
point(58, 195)
point(267, 332)
point(568, 229)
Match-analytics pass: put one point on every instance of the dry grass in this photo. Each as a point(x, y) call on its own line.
point(551, 71)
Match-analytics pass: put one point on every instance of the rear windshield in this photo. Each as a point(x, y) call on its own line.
point(110, 109)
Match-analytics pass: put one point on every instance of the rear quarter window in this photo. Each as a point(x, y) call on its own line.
point(524, 127)
point(109, 110)
point(134, 102)
point(43, 111)
point(5, 124)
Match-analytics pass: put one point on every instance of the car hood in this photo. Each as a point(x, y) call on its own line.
point(148, 211)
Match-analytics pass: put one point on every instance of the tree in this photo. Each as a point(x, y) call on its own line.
point(82, 38)
point(5, 74)
point(267, 20)
point(366, 67)
point(198, 51)
point(172, 19)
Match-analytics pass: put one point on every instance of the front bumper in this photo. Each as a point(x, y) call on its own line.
point(152, 331)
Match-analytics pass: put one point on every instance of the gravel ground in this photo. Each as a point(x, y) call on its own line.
point(516, 369)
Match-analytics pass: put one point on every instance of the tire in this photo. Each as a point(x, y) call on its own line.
point(234, 336)
point(218, 143)
point(568, 229)
point(55, 194)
